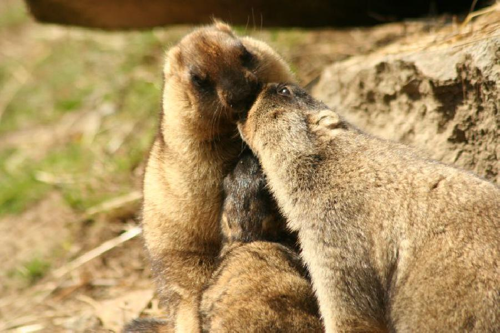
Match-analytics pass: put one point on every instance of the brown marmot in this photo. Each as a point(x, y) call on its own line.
point(260, 283)
point(210, 75)
point(393, 241)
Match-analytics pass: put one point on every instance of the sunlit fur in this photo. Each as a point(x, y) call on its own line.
point(197, 144)
point(393, 241)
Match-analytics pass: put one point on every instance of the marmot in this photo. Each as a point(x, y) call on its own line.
point(210, 75)
point(393, 241)
point(260, 283)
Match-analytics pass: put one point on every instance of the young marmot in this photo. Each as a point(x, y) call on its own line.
point(393, 241)
point(259, 285)
point(210, 76)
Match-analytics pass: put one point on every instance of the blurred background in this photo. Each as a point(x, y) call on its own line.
point(79, 109)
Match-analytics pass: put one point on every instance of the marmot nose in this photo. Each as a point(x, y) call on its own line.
point(240, 96)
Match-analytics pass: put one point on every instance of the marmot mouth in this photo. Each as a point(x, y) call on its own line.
point(242, 107)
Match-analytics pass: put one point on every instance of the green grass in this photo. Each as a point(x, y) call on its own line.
point(84, 176)
point(64, 75)
point(18, 184)
point(30, 271)
point(79, 71)
point(12, 13)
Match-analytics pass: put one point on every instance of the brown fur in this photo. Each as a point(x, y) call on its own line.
point(393, 241)
point(146, 325)
point(249, 212)
point(259, 285)
point(210, 76)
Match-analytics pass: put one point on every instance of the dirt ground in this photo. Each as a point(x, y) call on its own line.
point(78, 111)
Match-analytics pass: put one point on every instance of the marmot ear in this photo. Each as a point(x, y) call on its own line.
point(173, 61)
point(219, 25)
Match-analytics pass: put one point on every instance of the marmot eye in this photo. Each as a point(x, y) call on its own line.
point(284, 91)
point(200, 82)
point(246, 58)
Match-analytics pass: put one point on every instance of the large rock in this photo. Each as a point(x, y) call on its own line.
point(440, 92)
point(118, 14)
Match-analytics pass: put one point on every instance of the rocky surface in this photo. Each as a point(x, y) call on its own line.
point(439, 93)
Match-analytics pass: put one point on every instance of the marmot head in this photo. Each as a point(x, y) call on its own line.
point(278, 118)
point(249, 212)
point(218, 75)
